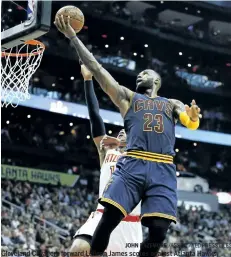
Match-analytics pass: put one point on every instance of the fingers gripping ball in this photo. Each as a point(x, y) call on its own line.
point(76, 16)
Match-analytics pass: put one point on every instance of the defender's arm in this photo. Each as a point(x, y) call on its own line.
point(97, 125)
point(188, 116)
point(96, 122)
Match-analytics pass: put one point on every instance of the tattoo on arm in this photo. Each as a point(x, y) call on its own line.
point(85, 56)
point(121, 93)
point(178, 107)
point(103, 77)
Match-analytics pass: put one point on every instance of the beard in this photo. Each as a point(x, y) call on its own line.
point(143, 86)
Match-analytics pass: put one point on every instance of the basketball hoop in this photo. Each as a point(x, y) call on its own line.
point(17, 67)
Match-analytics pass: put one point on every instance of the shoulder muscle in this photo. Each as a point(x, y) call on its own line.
point(178, 107)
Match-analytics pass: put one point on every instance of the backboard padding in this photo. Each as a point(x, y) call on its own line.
point(30, 29)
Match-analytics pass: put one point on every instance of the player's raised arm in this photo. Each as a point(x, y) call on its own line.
point(96, 121)
point(188, 116)
point(119, 95)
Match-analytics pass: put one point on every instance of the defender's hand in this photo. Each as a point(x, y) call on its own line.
point(87, 75)
point(193, 111)
point(64, 27)
point(110, 141)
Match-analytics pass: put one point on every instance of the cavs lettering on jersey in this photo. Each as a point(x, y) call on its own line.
point(108, 167)
point(150, 126)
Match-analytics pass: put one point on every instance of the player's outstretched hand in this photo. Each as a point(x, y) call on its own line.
point(87, 75)
point(193, 111)
point(64, 26)
point(108, 141)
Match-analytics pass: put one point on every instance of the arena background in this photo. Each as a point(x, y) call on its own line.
point(50, 167)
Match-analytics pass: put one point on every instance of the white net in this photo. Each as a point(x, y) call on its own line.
point(17, 67)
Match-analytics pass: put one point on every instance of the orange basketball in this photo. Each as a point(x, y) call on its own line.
point(76, 16)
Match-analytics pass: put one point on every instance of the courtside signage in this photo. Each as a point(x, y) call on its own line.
point(38, 176)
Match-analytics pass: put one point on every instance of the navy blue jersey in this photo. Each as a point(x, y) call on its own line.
point(150, 126)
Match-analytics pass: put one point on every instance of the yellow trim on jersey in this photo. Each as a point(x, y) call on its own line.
point(149, 159)
point(148, 156)
point(154, 155)
point(158, 214)
point(107, 200)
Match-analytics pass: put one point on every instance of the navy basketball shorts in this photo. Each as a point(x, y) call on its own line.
point(151, 182)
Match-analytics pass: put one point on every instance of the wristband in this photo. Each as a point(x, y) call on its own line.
point(72, 37)
point(187, 122)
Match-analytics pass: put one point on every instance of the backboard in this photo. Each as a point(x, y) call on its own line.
point(23, 20)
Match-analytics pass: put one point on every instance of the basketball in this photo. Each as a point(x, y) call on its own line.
point(76, 16)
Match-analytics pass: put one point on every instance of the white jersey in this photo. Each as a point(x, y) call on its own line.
point(107, 168)
point(126, 232)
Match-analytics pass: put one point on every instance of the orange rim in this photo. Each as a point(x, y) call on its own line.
point(28, 42)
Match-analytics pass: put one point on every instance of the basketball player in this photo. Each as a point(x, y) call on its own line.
point(130, 229)
point(147, 172)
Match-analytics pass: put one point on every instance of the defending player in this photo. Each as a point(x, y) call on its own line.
point(130, 229)
point(147, 173)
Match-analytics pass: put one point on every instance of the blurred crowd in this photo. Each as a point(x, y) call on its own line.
point(148, 17)
point(196, 225)
point(216, 119)
point(59, 136)
point(45, 218)
point(39, 217)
